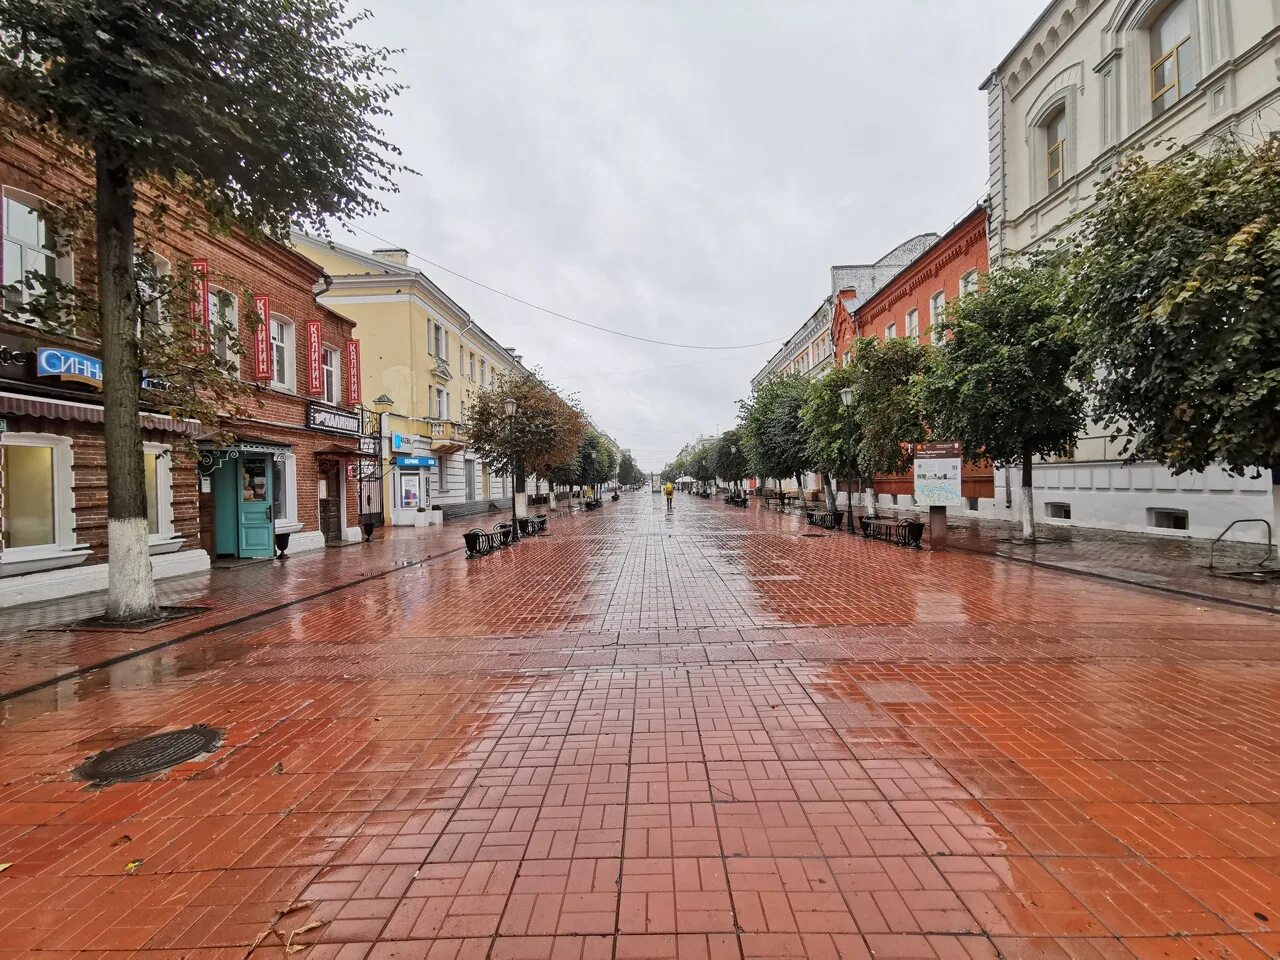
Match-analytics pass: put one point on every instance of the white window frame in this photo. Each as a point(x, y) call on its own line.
point(331, 375)
point(472, 366)
point(221, 346)
point(164, 492)
point(969, 282)
point(64, 263)
point(442, 467)
point(289, 343)
point(937, 310)
point(913, 323)
point(483, 370)
point(289, 471)
point(891, 332)
point(154, 310)
point(64, 520)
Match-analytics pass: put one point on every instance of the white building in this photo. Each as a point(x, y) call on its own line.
point(1089, 82)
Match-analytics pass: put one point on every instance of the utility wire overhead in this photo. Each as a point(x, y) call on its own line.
point(562, 316)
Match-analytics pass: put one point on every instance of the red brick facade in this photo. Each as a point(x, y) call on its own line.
point(274, 415)
point(959, 255)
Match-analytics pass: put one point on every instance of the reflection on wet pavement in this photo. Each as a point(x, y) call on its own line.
point(648, 736)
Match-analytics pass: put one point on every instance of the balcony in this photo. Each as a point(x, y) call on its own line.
point(447, 436)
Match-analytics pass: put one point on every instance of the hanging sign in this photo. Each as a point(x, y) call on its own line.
point(937, 475)
point(332, 419)
point(200, 305)
point(262, 340)
point(315, 345)
point(353, 372)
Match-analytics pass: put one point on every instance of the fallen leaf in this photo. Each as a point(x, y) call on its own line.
point(296, 906)
point(308, 926)
point(296, 947)
point(5, 866)
point(133, 865)
point(121, 840)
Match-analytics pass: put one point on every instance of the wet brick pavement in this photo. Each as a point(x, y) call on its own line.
point(706, 736)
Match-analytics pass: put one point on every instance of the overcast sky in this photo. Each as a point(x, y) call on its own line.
point(684, 171)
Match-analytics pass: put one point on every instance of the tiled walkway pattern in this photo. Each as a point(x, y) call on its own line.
point(706, 737)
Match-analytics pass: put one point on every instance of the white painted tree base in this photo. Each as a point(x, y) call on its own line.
point(131, 589)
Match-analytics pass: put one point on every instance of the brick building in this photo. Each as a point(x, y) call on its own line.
point(281, 468)
point(910, 304)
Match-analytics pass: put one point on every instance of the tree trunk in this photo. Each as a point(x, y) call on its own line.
point(131, 591)
point(830, 489)
point(870, 497)
point(1028, 503)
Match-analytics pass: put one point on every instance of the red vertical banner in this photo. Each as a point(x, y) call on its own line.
point(200, 306)
point(353, 372)
point(262, 339)
point(315, 345)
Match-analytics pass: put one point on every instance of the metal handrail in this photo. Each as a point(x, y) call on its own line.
point(1265, 523)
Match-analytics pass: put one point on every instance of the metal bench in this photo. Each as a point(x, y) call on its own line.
point(479, 542)
point(904, 532)
point(502, 533)
point(539, 523)
point(825, 519)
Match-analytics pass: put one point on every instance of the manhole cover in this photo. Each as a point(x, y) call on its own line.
point(149, 755)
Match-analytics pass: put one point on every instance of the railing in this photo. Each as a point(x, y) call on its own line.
point(1218, 538)
point(448, 430)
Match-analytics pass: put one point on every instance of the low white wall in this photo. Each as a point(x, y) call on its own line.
point(89, 578)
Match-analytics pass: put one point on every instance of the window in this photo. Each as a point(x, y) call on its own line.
point(224, 320)
point(284, 493)
point(282, 365)
point(440, 343)
point(1174, 65)
point(969, 283)
point(153, 492)
point(152, 274)
point(848, 357)
point(30, 499)
point(913, 323)
point(1057, 511)
point(482, 371)
point(473, 366)
point(329, 367)
point(937, 311)
point(442, 403)
point(29, 248)
point(410, 491)
point(158, 485)
point(891, 331)
point(444, 473)
point(1168, 519)
point(1055, 136)
point(37, 497)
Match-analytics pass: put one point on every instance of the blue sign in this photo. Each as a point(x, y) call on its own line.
point(68, 365)
point(400, 442)
point(415, 461)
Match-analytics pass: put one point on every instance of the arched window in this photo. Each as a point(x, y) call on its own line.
point(224, 324)
point(1055, 148)
point(283, 365)
point(1175, 66)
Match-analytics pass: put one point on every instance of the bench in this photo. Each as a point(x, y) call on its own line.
point(904, 532)
point(480, 542)
point(825, 519)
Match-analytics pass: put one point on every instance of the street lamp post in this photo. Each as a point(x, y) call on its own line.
point(510, 406)
point(846, 401)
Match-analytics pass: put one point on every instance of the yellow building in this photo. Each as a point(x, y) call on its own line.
point(421, 359)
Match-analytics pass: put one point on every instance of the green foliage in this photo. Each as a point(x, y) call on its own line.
point(773, 431)
point(545, 433)
point(1176, 294)
point(729, 458)
point(999, 384)
point(886, 407)
point(264, 112)
point(701, 464)
point(834, 434)
point(629, 474)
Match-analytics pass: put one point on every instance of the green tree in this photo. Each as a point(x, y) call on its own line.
point(541, 438)
point(729, 459)
point(629, 474)
point(886, 407)
point(264, 112)
point(701, 463)
point(1000, 383)
point(834, 435)
point(773, 431)
point(1176, 295)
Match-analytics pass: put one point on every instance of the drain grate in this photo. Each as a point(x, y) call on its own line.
point(149, 755)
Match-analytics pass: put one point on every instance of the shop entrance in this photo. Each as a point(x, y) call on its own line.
point(329, 493)
point(243, 518)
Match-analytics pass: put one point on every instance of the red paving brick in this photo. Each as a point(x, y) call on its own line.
point(700, 736)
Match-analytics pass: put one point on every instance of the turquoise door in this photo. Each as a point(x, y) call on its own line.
point(257, 525)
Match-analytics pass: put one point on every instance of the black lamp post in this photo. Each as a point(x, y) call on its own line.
point(846, 401)
point(510, 406)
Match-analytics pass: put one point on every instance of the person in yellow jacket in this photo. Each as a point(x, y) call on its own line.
point(669, 491)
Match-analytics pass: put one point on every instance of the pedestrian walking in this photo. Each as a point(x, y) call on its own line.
point(669, 491)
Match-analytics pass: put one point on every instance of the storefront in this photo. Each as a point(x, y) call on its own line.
point(244, 489)
point(411, 484)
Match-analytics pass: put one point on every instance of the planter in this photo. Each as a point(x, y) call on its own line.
point(282, 544)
